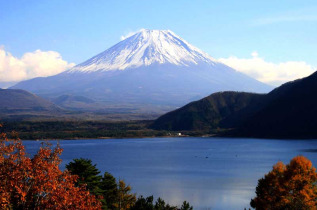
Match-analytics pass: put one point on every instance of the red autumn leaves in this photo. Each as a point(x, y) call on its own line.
point(38, 183)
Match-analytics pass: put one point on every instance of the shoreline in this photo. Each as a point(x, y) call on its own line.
point(105, 138)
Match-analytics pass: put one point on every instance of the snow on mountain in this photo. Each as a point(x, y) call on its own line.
point(145, 48)
point(152, 68)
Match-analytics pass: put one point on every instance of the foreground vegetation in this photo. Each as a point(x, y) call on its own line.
point(113, 194)
point(291, 186)
point(38, 183)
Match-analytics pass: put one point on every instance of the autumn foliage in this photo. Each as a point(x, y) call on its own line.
point(291, 186)
point(125, 199)
point(38, 183)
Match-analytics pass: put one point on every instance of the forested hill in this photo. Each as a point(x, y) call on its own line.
point(289, 111)
point(207, 113)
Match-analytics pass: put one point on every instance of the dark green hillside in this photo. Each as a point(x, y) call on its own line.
point(290, 113)
point(207, 113)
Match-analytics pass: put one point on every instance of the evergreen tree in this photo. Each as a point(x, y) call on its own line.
point(87, 174)
point(110, 192)
point(159, 204)
point(143, 203)
point(186, 206)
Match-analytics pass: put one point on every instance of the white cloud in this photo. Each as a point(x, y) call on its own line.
point(31, 64)
point(255, 54)
point(130, 33)
point(269, 72)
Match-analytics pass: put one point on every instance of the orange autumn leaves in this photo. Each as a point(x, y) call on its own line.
point(38, 183)
point(291, 186)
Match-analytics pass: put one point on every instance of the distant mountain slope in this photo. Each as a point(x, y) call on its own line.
point(207, 113)
point(153, 68)
point(74, 102)
point(289, 111)
point(20, 101)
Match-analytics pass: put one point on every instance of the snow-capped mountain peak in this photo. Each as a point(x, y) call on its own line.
point(150, 71)
point(144, 48)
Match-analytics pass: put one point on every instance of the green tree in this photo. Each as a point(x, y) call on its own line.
point(161, 205)
point(147, 204)
point(110, 190)
point(114, 196)
point(87, 173)
point(186, 206)
point(143, 203)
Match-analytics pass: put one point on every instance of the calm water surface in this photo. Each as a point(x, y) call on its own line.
point(210, 173)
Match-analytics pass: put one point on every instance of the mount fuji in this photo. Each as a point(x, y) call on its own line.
point(152, 68)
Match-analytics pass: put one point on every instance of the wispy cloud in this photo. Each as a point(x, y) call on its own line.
point(269, 72)
point(128, 34)
point(280, 19)
point(30, 65)
point(307, 14)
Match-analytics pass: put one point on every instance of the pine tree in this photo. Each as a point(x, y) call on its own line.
point(186, 206)
point(87, 173)
point(110, 192)
point(143, 203)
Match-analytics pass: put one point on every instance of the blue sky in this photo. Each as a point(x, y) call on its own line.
point(276, 31)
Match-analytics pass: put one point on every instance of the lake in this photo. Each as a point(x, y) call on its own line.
point(209, 173)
